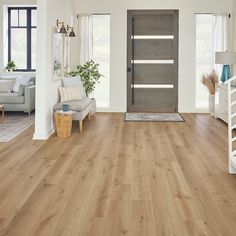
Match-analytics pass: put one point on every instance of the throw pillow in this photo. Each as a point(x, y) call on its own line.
point(33, 79)
point(6, 86)
point(74, 81)
point(70, 93)
point(21, 90)
point(20, 80)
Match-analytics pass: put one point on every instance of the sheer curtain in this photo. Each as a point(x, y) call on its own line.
point(220, 30)
point(85, 29)
point(220, 44)
point(212, 35)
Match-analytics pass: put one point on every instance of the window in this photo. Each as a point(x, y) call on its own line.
point(211, 36)
point(22, 23)
point(101, 55)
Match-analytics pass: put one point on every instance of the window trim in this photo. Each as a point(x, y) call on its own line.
point(28, 28)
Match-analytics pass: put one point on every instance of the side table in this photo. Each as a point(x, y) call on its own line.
point(3, 113)
point(63, 121)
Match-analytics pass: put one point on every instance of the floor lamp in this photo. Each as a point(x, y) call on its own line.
point(226, 59)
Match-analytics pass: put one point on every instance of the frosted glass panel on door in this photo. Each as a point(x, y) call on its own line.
point(153, 61)
point(19, 47)
point(152, 37)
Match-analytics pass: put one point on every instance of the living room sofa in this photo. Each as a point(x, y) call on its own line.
point(13, 102)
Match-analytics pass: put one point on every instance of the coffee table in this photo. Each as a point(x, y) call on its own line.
point(3, 111)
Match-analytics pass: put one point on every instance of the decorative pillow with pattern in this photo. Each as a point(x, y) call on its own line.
point(70, 93)
point(74, 81)
point(6, 86)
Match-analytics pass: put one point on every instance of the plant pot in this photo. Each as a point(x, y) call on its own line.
point(91, 95)
point(212, 104)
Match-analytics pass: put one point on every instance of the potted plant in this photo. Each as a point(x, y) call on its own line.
point(90, 76)
point(11, 66)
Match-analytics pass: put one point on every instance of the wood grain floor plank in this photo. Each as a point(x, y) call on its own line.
point(120, 178)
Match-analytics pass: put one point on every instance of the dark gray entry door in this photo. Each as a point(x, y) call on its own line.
point(152, 66)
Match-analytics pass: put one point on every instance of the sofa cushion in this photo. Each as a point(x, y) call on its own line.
point(76, 105)
point(11, 98)
point(74, 81)
point(6, 86)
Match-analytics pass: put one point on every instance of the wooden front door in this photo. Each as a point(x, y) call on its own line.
point(152, 61)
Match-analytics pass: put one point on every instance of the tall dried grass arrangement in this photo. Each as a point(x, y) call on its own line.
point(210, 81)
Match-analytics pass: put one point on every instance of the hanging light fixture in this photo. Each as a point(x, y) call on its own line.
point(71, 30)
point(62, 29)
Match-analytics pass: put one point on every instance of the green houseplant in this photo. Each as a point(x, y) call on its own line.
point(90, 75)
point(11, 66)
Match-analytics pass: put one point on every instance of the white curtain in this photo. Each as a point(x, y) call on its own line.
point(221, 37)
point(85, 31)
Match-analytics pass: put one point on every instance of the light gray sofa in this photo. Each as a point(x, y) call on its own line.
point(13, 102)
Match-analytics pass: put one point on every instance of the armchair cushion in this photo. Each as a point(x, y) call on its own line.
point(76, 105)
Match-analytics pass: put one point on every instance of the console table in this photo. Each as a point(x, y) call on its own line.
point(221, 111)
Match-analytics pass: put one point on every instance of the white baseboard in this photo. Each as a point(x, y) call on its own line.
point(43, 136)
point(121, 110)
point(197, 110)
point(111, 110)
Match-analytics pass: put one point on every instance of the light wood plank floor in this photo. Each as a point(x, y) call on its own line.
point(119, 178)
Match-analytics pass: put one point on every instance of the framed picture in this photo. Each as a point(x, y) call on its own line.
point(57, 56)
point(61, 55)
point(67, 55)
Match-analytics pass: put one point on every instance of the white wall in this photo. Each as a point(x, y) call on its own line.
point(234, 27)
point(47, 90)
point(4, 3)
point(187, 35)
point(234, 32)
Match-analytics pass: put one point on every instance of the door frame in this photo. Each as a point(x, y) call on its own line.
point(130, 14)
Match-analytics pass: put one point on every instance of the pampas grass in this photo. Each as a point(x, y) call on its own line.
point(210, 81)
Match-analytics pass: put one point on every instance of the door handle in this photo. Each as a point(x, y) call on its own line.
point(129, 69)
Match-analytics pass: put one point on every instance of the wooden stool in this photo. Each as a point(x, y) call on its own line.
point(63, 122)
point(3, 111)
